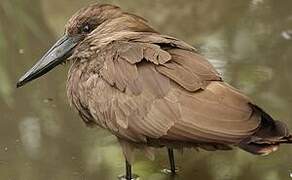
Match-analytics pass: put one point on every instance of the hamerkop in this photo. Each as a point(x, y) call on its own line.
point(152, 90)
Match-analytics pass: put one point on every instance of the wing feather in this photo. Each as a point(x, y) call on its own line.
point(159, 87)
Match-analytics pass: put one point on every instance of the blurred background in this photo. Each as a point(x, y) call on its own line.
point(41, 138)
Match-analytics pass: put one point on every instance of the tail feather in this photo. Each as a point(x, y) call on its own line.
point(270, 134)
point(287, 140)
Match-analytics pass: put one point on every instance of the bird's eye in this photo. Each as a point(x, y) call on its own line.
point(86, 29)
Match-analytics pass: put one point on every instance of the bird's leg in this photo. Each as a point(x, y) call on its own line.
point(172, 171)
point(128, 150)
point(171, 161)
point(129, 175)
point(128, 171)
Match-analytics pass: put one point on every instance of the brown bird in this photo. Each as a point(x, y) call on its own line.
point(152, 90)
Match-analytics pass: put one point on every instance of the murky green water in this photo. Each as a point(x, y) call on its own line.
point(41, 138)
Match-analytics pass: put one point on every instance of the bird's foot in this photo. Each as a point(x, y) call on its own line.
point(134, 177)
point(170, 172)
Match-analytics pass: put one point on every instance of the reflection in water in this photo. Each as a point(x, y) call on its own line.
point(30, 135)
point(287, 34)
point(249, 42)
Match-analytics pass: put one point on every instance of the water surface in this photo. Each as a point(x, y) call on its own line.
point(41, 138)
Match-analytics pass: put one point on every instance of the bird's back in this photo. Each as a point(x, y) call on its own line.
point(150, 89)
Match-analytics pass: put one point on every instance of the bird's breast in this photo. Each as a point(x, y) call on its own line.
point(86, 92)
point(77, 92)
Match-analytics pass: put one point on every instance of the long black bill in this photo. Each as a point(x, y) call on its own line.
point(56, 55)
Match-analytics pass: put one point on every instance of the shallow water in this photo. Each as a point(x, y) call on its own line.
point(41, 138)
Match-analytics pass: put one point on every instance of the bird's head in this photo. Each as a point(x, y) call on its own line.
point(88, 22)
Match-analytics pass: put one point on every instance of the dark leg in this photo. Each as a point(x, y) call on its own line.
point(129, 175)
point(128, 171)
point(171, 161)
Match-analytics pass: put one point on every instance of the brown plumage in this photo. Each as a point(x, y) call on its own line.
point(152, 90)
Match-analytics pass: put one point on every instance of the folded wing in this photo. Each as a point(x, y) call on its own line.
point(157, 87)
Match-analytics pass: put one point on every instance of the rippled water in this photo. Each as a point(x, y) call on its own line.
point(41, 138)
